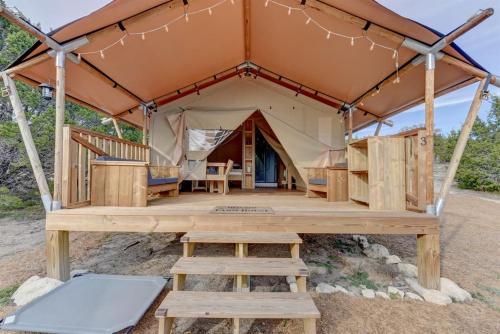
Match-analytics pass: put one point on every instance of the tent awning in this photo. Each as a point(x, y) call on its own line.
point(158, 63)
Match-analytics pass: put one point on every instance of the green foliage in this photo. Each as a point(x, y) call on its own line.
point(479, 168)
point(18, 186)
point(361, 278)
point(6, 294)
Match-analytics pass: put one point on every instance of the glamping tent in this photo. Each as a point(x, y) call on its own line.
point(299, 74)
point(306, 130)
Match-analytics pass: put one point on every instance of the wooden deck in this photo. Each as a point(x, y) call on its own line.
point(281, 212)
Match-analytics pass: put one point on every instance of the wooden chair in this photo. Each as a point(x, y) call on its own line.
point(219, 180)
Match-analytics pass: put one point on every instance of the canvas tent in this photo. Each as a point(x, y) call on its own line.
point(157, 50)
point(306, 130)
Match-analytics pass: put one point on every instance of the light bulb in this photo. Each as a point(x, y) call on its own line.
point(143, 36)
point(232, 2)
point(308, 20)
point(267, 3)
point(166, 28)
point(394, 54)
point(328, 35)
point(352, 41)
point(79, 57)
point(289, 10)
point(122, 42)
point(187, 17)
point(372, 46)
point(209, 11)
point(397, 64)
point(102, 54)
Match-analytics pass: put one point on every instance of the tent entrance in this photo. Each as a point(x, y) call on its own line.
point(266, 163)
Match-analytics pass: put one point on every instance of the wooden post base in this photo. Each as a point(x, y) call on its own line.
point(57, 247)
point(428, 260)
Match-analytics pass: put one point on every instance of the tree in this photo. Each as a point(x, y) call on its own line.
point(16, 177)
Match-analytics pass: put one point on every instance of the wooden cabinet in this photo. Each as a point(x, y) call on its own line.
point(377, 172)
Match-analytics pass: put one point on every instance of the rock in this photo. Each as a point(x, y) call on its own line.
point(452, 290)
point(429, 295)
point(78, 272)
point(292, 282)
point(361, 240)
point(315, 269)
point(395, 292)
point(368, 293)
point(408, 270)
point(382, 294)
point(327, 288)
point(376, 251)
point(411, 295)
point(33, 288)
point(392, 259)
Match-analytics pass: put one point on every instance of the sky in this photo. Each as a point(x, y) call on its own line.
point(482, 44)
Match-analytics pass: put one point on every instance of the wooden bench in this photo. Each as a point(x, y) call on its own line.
point(237, 305)
point(125, 183)
point(329, 182)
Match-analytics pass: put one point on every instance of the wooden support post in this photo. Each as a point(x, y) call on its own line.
point(57, 247)
point(31, 150)
point(117, 128)
point(60, 100)
point(310, 326)
point(179, 282)
point(430, 64)
point(165, 326)
point(246, 28)
point(295, 251)
point(188, 249)
point(145, 126)
point(428, 260)
point(301, 283)
point(350, 126)
point(460, 146)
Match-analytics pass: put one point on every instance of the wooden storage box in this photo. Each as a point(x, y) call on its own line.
point(119, 183)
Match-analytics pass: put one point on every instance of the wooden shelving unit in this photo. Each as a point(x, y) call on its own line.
point(376, 172)
point(249, 154)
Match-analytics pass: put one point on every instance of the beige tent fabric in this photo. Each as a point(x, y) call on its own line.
point(306, 129)
point(164, 62)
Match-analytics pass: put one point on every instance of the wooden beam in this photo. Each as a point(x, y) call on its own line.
point(32, 62)
point(60, 108)
point(117, 128)
point(57, 246)
point(86, 144)
point(31, 150)
point(428, 257)
point(430, 64)
point(247, 29)
point(154, 219)
point(460, 146)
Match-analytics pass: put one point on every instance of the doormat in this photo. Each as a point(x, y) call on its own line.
point(243, 210)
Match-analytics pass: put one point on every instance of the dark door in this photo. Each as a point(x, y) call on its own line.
point(266, 162)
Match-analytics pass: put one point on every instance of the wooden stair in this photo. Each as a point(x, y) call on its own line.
point(240, 303)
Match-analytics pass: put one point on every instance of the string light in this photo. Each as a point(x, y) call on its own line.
point(164, 27)
point(209, 10)
point(330, 33)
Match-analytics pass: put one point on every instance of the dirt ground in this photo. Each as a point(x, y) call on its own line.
point(470, 256)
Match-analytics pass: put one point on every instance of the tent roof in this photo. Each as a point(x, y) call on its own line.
point(165, 64)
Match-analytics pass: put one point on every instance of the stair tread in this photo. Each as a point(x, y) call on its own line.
point(260, 305)
point(240, 266)
point(242, 237)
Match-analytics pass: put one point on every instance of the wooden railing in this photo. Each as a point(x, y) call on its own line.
point(415, 142)
point(80, 147)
